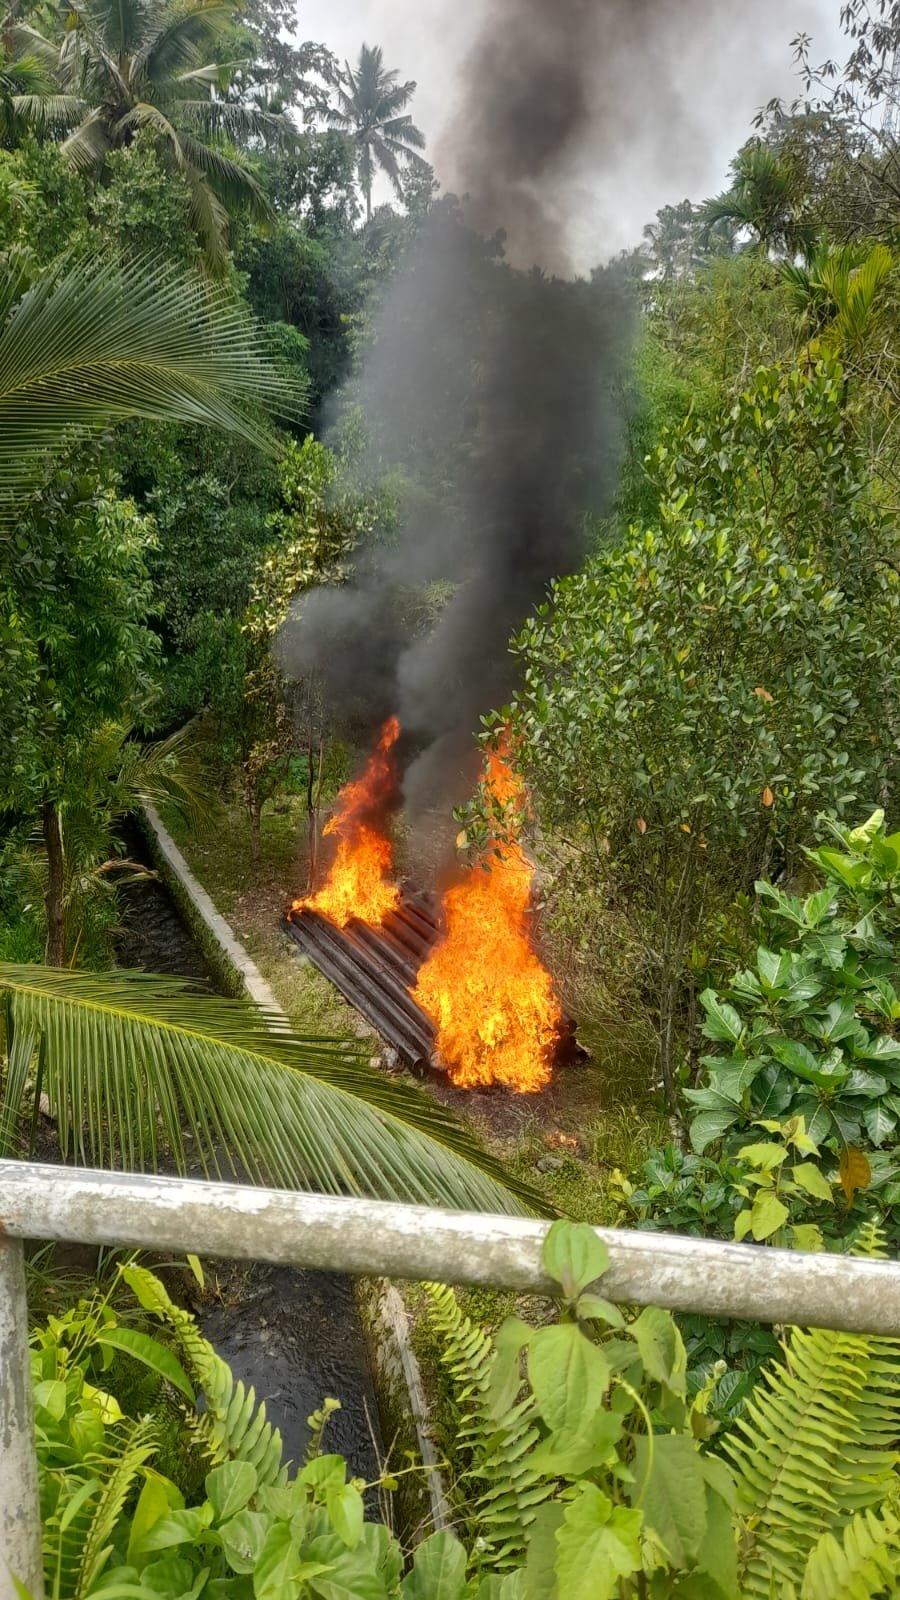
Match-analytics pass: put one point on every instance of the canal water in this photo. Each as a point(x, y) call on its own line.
point(294, 1335)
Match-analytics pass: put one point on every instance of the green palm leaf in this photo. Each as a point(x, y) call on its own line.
point(93, 342)
point(132, 1063)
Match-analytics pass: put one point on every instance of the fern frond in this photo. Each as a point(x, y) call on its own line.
point(233, 1427)
point(865, 1565)
point(77, 1535)
point(142, 1443)
point(815, 1447)
point(505, 1488)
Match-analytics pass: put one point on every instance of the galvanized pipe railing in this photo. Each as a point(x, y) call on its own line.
point(369, 1238)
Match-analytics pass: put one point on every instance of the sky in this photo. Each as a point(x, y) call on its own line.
point(725, 72)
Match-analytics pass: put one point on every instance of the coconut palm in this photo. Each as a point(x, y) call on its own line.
point(369, 109)
point(764, 200)
point(85, 345)
point(132, 1066)
point(157, 65)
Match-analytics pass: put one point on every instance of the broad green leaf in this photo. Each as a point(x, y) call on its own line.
point(593, 1308)
point(569, 1376)
point(773, 969)
point(597, 1545)
point(50, 1396)
point(807, 1236)
point(325, 1472)
point(230, 1487)
point(574, 1256)
point(157, 1498)
point(722, 1021)
point(717, 1554)
point(177, 1527)
point(880, 1124)
point(662, 1348)
point(439, 1570)
point(151, 1353)
point(764, 1157)
point(794, 1055)
point(812, 1179)
point(505, 1378)
point(670, 1489)
point(346, 1510)
point(243, 1538)
point(540, 1561)
point(709, 1126)
point(276, 1575)
point(768, 1215)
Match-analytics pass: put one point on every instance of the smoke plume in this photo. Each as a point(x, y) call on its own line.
point(491, 380)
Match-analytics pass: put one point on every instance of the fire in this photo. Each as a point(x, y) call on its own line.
point(493, 1001)
point(359, 884)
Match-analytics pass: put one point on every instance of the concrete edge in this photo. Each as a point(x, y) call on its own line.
point(233, 952)
point(395, 1370)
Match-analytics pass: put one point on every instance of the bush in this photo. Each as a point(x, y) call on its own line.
point(696, 696)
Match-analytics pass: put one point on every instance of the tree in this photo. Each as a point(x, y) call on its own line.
point(78, 348)
point(156, 65)
point(765, 199)
point(370, 108)
point(695, 697)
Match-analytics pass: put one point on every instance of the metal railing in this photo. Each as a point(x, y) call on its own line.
point(367, 1238)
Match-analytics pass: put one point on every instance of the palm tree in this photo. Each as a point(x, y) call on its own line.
point(156, 65)
point(370, 103)
point(86, 345)
point(764, 200)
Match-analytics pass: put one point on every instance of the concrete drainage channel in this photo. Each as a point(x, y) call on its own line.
point(297, 1336)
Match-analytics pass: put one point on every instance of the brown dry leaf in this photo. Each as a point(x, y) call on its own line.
point(685, 828)
point(763, 694)
point(641, 825)
point(855, 1172)
point(768, 799)
point(462, 840)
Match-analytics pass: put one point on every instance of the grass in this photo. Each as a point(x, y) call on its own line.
point(254, 897)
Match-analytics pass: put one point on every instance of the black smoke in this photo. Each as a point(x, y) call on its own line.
point(491, 381)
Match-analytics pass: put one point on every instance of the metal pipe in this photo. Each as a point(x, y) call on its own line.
point(20, 1511)
point(363, 977)
point(337, 964)
point(369, 1238)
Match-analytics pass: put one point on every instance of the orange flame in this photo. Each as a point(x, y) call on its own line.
point(484, 985)
point(359, 883)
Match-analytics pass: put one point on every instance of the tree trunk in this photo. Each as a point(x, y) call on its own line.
point(55, 951)
point(255, 820)
point(313, 800)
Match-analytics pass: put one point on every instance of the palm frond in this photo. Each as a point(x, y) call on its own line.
point(209, 221)
point(89, 144)
point(234, 183)
point(223, 118)
point(91, 342)
point(179, 37)
point(48, 113)
point(28, 40)
point(131, 1062)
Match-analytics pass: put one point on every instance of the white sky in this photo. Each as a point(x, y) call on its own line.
point(724, 78)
